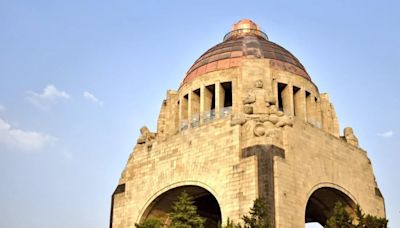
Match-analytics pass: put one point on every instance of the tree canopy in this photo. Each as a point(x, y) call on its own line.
point(257, 217)
point(342, 218)
point(184, 213)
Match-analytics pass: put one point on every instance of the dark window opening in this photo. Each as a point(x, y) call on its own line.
point(211, 89)
point(281, 87)
point(227, 86)
point(295, 94)
point(197, 92)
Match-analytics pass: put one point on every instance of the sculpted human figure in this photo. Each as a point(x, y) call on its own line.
point(350, 137)
point(145, 136)
point(258, 99)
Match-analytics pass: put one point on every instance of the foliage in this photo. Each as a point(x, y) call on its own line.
point(231, 224)
point(341, 218)
point(257, 218)
point(374, 222)
point(184, 213)
point(369, 221)
point(150, 223)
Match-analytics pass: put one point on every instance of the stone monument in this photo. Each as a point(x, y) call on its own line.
point(246, 122)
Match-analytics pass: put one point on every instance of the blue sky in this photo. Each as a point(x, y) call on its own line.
point(79, 78)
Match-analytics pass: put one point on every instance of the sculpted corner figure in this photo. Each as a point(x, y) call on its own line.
point(350, 137)
point(258, 99)
point(145, 136)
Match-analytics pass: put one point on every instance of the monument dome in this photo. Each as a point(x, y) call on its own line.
point(245, 40)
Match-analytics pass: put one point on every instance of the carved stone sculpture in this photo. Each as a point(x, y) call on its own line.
point(238, 120)
point(259, 130)
point(284, 121)
point(258, 99)
point(350, 137)
point(145, 136)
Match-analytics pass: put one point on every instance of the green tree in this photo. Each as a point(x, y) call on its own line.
point(341, 218)
point(231, 224)
point(369, 221)
point(257, 218)
point(258, 215)
point(184, 213)
point(150, 223)
point(374, 222)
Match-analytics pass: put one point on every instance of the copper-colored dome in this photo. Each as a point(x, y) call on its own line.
point(245, 40)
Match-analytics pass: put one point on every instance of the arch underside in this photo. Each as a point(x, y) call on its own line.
point(206, 203)
point(322, 202)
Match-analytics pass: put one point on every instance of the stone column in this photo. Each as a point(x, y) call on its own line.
point(219, 96)
point(329, 119)
point(287, 100)
point(183, 110)
point(313, 110)
point(179, 113)
point(299, 99)
point(195, 106)
point(190, 109)
point(202, 89)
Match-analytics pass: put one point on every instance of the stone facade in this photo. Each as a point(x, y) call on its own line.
point(242, 128)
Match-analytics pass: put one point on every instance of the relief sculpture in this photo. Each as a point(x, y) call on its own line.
point(261, 112)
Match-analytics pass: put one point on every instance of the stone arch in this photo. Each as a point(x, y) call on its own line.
point(322, 199)
point(159, 205)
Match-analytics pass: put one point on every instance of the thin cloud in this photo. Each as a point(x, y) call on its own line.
point(50, 95)
point(386, 134)
point(21, 139)
point(89, 96)
point(2, 108)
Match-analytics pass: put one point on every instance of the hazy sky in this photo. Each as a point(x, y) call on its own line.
point(79, 78)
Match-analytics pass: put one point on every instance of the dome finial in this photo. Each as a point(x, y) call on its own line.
point(245, 24)
point(245, 27)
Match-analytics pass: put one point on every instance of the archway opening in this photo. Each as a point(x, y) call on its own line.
point(321, 203)
point(313, 225)
point(206, 203)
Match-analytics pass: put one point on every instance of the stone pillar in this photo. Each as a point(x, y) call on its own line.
point(179, 113)
point(313, 110)
point(275, 91)
point(183, 110)
point(190, 109)
point(287, 99)
point(219, 99)
point(195, 106)
point(202, 91)
point(329, 119)
point(299, 99)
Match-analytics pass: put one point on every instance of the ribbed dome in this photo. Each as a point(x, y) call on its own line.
point(245, 41)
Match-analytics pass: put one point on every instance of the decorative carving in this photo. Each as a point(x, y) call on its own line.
point(238, 120)
point(263, 124)
point(248, 109)
point(259, 130)
point(262, 117)
point(258, 99)
point(274, 114)
point(146, 135)
point(284, 121)
point(350, 137)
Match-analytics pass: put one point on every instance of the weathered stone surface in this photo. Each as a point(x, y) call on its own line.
point(146, 135)
point(350, 137)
